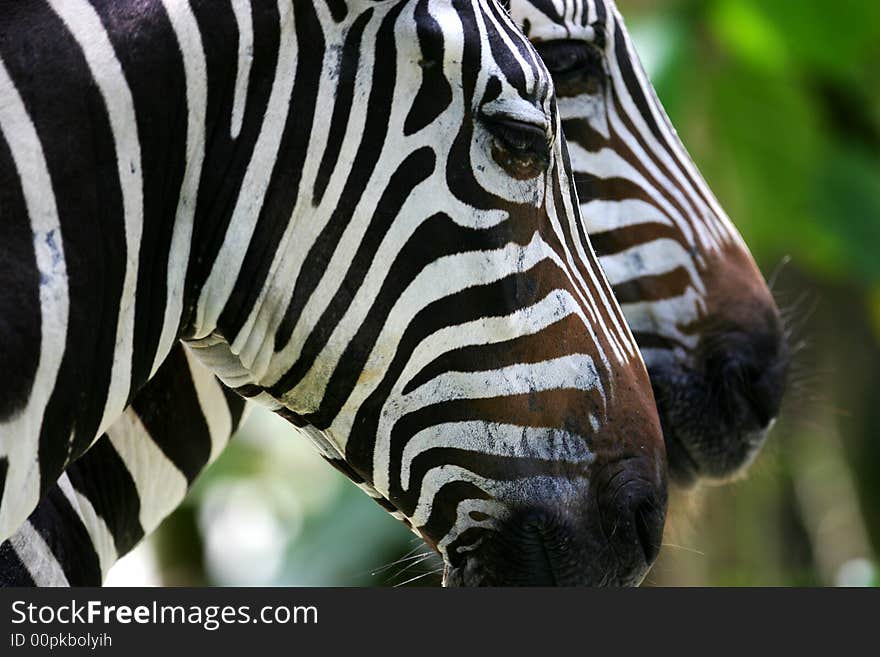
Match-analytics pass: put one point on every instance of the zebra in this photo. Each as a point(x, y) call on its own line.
point(576, 62)
point(706, 323)
point(403, 278)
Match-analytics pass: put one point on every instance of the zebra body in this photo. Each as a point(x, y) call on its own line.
point(128, 481)
point(407, 282)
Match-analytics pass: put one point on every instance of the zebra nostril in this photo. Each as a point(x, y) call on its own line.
point(646, 531)
point(764, 390)
point(760, 386)
point(748, 374)
point(758, 397)
point(632, 511)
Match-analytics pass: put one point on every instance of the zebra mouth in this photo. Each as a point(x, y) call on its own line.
point(717, 406)
point(706, 445)
point(609, 536)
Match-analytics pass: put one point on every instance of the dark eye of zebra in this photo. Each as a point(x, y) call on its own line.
point(576, 67)
point(520, 148)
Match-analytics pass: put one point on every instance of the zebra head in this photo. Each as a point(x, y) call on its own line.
point(706, 323)
point(433, 319)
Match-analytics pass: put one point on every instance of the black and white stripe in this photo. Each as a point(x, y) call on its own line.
point(131, 478)
point(704, 319)
point(381, 274)
point(647, 209)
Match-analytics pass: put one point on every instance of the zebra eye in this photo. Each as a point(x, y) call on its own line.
point(576, 67)
point(520, 148)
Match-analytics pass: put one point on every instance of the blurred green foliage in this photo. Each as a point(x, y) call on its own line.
point(779, 103)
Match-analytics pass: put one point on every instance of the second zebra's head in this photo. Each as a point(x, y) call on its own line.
point(706, 323)
point(433, 319)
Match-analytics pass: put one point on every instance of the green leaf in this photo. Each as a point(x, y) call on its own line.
point(836, 37)
point(747, 32)
point(848, 205)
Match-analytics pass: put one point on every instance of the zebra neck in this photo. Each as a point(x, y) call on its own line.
point(279, 190)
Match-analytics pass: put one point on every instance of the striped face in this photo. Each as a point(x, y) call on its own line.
point(433, 317)
point(359, 214)
point(707, 326)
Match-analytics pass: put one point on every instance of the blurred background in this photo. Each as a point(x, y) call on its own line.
point(779, 104)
